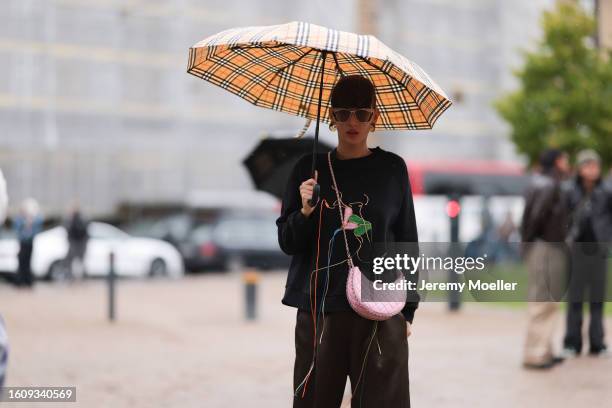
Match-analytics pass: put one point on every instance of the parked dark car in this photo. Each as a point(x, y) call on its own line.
point(189, 235)
point(252, 239)
point(200, 251)
point(218, 242)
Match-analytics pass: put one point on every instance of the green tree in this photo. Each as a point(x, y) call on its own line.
point(565, 95)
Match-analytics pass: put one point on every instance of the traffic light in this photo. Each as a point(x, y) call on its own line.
point(453, 208)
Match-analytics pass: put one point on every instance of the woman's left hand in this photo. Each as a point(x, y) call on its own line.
point(408, 329)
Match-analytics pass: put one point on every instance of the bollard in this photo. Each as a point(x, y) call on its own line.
point(111, 287)
point(454, 297)
point(453, 210)
point(251, 279)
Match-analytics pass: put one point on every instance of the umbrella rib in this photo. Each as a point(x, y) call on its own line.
point(340, 71)
point(282, 69)
point(386, 73)
point(397, 81)
point(223, 52)
point(253, 45)
point(294, 61)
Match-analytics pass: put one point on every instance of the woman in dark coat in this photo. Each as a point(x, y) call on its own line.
point(332, 341)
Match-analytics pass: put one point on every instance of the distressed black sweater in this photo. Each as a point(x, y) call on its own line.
point(377, 189)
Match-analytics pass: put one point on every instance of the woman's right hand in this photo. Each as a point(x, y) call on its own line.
point(306, 193)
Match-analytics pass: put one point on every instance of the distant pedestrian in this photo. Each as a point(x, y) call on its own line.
point(27, 224)
point(543, 231)
point(590, 203)
point(3, 353)
point(76, 231)
point(3, 336)
point(3, 199)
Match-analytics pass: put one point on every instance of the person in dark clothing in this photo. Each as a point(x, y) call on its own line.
point(590, 203)
point(3, 353)
point(374, 183)
point(26, 226)
point(3, 336)
point(76, 230)
point(543, 230)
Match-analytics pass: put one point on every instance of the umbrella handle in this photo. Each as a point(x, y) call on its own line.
point(316, 189)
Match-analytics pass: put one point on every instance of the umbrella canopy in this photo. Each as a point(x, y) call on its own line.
point(284, 67)
point(278, 67)
point(271, 162)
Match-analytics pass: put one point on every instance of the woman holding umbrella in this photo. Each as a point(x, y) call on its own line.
point(284, 67)
point(332, 341)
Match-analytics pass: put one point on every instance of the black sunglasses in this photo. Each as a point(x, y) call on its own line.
point(342, 114)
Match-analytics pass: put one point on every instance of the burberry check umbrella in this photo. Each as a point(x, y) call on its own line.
point(293, 67)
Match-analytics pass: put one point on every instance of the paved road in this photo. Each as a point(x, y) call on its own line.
point(185, 344)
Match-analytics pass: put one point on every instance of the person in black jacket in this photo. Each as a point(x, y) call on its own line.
point(543, 230)
point(374, 184)
point(3, 353)
point(3, 335)
point(76, 232)
point(26, 225)
point(590, 203)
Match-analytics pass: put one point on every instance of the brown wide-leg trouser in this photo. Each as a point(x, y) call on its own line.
point(374, 355)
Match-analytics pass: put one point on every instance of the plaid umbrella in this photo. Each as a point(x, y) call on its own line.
point(279, 67)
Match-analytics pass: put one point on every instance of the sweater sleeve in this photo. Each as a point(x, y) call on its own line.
point(405, 230)
point(295, 230)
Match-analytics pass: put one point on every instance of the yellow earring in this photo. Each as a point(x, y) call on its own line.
point(332, 126)
point(372, 127)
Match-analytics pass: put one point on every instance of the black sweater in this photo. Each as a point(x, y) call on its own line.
point(382, 176)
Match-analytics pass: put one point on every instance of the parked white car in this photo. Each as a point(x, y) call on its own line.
point(134, 257)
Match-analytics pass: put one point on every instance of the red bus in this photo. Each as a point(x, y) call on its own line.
point(473, 177)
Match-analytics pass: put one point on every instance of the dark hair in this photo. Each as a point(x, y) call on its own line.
point(353, 91)
point(548, 158)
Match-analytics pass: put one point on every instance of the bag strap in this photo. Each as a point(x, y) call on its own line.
point(348, 252)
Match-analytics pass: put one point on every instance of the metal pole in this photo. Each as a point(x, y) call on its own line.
point(111, 288)
point(454, 297)
point(598, 27)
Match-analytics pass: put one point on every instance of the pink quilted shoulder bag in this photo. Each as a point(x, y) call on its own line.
point(379, 309)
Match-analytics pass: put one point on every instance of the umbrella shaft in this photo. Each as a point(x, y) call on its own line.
point(316, 138)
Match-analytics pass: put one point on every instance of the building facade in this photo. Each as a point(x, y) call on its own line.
point(96, 105)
